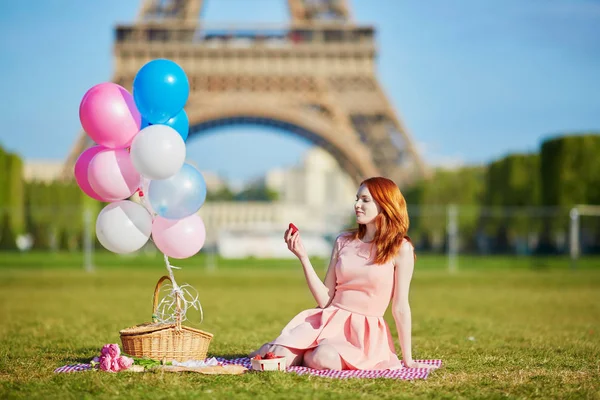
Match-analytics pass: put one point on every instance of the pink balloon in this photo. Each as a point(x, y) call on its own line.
point(180, 238)
point(81, 171)
point(112, 175)
point(109, 116)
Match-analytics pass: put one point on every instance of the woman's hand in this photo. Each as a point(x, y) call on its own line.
point(415, 364)
point(294, 244)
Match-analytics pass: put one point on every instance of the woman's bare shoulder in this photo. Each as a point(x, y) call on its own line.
point(406, 250)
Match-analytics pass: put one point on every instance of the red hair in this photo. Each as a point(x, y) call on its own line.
point(392, 222)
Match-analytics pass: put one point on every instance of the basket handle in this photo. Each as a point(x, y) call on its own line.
point(155, 301)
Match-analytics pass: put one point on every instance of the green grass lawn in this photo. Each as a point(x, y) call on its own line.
point(504, 327)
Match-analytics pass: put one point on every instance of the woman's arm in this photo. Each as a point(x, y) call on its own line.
point(405, 264)
point(322, 292)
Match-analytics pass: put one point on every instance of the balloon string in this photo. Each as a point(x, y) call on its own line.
point(142, 196)
point(176, 292)
point(167, 310)
point(170, 269)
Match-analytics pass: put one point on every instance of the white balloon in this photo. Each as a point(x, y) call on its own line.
point(123, 226)
point(158, 152)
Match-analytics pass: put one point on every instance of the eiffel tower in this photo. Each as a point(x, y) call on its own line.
point(315, 78)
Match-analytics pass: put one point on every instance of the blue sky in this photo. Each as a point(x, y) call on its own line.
point(473, 80)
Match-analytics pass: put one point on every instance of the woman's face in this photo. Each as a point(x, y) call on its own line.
point(366, 208)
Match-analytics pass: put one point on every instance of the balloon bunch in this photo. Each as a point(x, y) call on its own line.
point(140, 148)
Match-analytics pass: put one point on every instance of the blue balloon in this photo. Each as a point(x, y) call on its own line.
point(180, 123)
point(178, 196)
point(160, 90)
point(145, 123)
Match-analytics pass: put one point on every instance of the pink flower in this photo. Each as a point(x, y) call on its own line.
point(111, 350)
point(115, 365)
point(106, 363)
point(125, 362)
point(111, 359)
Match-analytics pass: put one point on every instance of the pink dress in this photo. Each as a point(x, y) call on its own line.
point(353, 323)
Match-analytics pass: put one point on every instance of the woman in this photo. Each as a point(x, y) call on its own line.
point(369, 267)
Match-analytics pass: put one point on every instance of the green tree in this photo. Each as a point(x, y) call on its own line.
point(37, 219)
point(429, 200)
point(570, 175)
point(570, 170)
point(14, 214)
point(3, 191)
point(512, 183)
point(223, 194)
point(257, 192)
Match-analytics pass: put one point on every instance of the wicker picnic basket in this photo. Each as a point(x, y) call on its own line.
point(160, 341)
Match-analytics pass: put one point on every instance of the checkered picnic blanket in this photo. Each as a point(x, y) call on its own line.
point(73, 368)
point(404, 373)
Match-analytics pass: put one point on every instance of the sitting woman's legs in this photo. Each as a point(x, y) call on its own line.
point(323, 357)
point(292, 356)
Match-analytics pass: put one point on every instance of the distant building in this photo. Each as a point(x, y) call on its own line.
point(317, 182)
point(42, 170)
point(316, 195)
